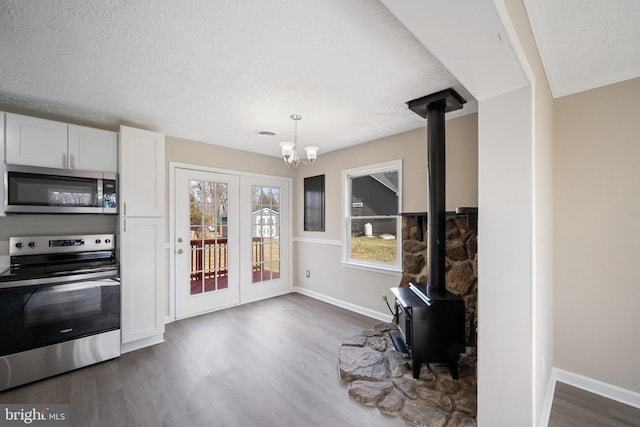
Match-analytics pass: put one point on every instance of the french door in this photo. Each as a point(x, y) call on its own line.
point(207, 241)
point(231, 240)
point(265, 242)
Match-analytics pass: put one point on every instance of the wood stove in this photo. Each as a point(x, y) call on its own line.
point(431, 320)
point(429, 330)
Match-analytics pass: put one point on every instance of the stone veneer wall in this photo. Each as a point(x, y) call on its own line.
point(461, 262)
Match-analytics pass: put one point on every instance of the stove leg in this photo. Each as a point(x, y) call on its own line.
point(453, 366)
point(416, 369)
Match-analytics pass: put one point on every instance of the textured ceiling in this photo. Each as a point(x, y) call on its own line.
point(586, 44)
point(219, 71)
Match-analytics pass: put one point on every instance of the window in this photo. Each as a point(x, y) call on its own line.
point(372, 222)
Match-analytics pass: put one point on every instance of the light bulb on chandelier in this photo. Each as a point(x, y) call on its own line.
point(289, 152)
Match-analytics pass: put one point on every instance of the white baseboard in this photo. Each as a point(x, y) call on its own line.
point(600, 388)
point(609, 391)
point(137, 345)
point(346, 305)
point(548, 400)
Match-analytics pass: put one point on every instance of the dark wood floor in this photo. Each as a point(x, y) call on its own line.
point(574, 407)
point(269, 363)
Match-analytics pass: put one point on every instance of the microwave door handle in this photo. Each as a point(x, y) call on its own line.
point(100, 194)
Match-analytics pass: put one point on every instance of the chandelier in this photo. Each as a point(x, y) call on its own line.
point(288, 148)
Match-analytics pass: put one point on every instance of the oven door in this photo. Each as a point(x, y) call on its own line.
point(404, 323)
point(36, 316)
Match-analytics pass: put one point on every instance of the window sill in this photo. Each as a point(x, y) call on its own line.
point(392, 271)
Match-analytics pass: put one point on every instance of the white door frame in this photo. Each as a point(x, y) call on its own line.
point(170, 297)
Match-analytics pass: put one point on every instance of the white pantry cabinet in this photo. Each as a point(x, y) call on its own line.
point(142, 237)
point(142, 173)
point(142, 280)
point(40, 142)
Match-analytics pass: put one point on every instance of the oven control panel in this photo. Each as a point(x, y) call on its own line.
point(55, 244)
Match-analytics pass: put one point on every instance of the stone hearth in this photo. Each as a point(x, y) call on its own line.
point(380, 376)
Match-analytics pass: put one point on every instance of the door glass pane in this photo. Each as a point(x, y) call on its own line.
point(208, 213)
point(265, 233)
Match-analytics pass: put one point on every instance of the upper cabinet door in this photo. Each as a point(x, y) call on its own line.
point(36, 142)
point(93, 149)
point(142, 174)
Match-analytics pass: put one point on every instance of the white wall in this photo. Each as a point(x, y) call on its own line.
point(504, 260)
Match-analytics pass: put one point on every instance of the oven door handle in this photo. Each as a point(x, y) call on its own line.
point(78, 286)
point(108, 280)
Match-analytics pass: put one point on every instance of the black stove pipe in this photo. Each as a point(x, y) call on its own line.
point(436, 181)
point(433, 107)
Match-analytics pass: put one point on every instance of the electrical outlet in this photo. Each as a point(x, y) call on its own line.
point(308, 273)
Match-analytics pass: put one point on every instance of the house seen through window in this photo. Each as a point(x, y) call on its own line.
point(372, 208)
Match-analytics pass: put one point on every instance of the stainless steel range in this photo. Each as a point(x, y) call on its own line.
point(59, 306)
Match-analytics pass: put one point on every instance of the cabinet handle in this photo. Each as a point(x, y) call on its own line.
point(125, 208)
point(72, 163)
point(180, 251)
point(64, 160)
point(179, 239)
point(124, 225)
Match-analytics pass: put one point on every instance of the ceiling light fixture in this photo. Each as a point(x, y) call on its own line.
point(289, 152)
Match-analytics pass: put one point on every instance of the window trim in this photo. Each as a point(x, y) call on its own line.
point(347, 174)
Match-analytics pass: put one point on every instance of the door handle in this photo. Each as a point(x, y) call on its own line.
point(180, 251)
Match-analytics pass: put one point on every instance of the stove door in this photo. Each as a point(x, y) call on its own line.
point(36, 316)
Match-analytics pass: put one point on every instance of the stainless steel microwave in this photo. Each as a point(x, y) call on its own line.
point(31, 189)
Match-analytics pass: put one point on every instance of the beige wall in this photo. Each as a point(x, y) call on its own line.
point(321, 252)
point(37, 225)
point(411, 147)
point(597, 200)
point(214, 156)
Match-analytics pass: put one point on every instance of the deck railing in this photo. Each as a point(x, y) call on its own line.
point(211, 256)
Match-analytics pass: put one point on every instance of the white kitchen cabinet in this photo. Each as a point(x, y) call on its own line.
point(142, 172)
point(142, 281)
point(35, 142)
point(142, 237)
point(92, 149)
point(39, 142)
